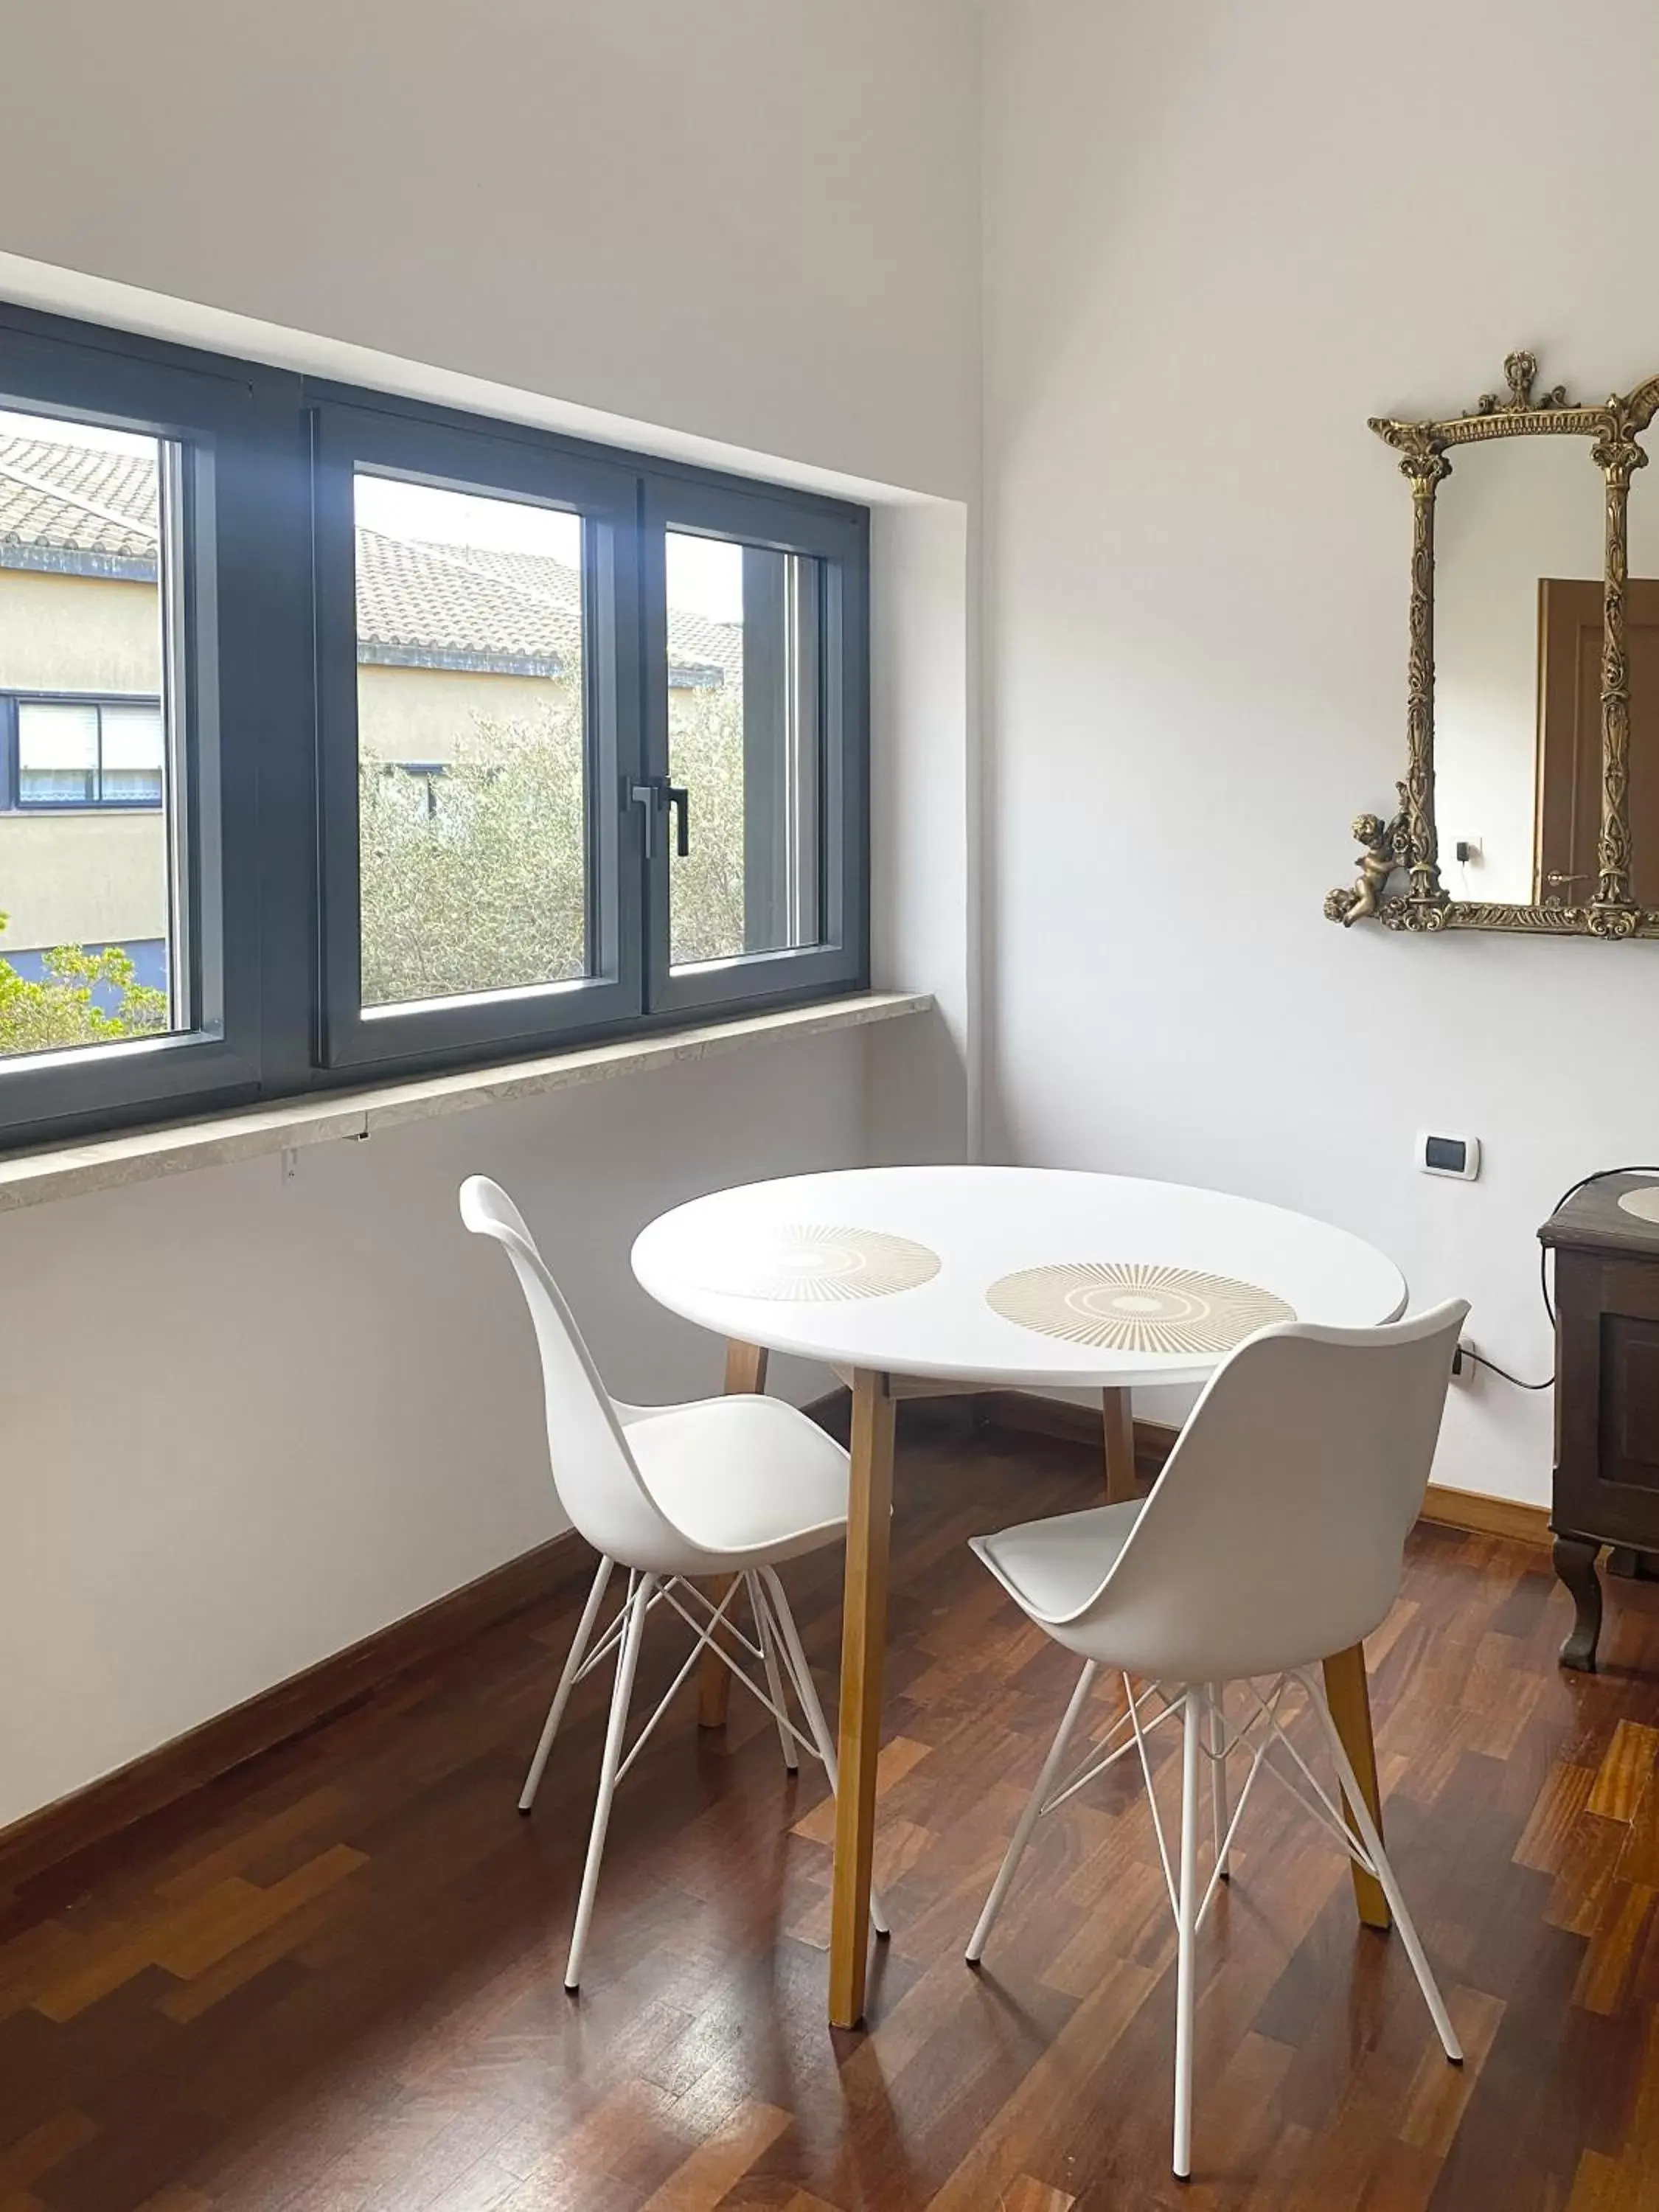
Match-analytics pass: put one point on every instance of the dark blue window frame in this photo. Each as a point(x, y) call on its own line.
point(262, 800)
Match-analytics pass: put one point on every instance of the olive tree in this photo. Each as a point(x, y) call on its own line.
point(476, 879)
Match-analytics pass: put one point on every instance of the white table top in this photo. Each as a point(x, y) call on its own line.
point(772, 1264)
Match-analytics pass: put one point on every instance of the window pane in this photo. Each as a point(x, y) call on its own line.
point(131, 786)
point(86, 901)
point(471, 736)
point(57, 753)
point(133, 737)
point(134, 748)
point(52, 734)
point(743, 741)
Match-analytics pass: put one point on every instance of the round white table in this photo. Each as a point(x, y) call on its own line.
point(923, 1281)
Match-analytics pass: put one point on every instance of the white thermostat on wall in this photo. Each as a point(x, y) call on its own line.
point(1449, 1155)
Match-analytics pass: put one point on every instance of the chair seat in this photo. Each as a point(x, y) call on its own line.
point(748, 1478)
point(1053, 1567)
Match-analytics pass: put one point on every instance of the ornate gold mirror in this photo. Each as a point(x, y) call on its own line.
point(1530, 799)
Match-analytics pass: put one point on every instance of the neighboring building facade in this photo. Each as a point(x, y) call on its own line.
point(452, 641)
point(82, 856)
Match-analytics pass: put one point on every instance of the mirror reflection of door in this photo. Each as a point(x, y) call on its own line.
point(1512, 511)
point(1569, 633)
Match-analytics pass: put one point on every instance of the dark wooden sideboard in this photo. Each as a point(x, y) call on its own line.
point(1607, 1395)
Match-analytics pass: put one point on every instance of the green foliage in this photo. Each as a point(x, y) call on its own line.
point(60, 1011)
point(474, 880)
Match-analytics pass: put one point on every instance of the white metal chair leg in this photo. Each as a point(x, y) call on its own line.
point(769, 1660)
point(806, 1690)
point(622, 1693)
point(533, 1781)
point(1379, 1858)
point(1198, 1712)
point(1028, 1819)
point(1215, 1697)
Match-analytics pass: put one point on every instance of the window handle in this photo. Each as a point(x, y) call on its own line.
point(654, 794)
point(644, 796)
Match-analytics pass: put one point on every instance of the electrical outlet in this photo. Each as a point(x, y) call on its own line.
point(1464, 1368)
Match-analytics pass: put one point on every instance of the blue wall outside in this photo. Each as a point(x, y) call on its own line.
point(148, 956)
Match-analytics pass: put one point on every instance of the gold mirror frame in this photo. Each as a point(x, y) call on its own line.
point(1406, 842)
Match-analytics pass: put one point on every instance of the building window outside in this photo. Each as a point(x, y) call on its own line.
point(88, 752)
point(89, 534)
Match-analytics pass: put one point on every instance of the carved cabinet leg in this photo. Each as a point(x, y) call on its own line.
point(1575, 1563)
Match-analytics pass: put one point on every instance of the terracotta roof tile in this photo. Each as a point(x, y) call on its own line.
point(76, 499)
point(417, 600)
point(418, 603)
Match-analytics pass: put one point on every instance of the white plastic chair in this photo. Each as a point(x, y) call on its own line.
point(1272, 1538)
point(721, 1487)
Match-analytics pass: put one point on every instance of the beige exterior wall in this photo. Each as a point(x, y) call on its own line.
point(77, 633)
point(68, 877)
point(82, 879)
point(422, 713)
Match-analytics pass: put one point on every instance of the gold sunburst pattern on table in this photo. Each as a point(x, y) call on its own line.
point(810, 1262)
point(1136, 1305)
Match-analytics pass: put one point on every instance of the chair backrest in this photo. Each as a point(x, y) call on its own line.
point(1275, 1532)
point(593, 1471)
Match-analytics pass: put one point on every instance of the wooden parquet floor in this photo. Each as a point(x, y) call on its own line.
point(330, 1982)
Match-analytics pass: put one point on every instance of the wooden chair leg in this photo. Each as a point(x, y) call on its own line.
point(1349, 1698)
point(863, 1650)
point(745, 1375)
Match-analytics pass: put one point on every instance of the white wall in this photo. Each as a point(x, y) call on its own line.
point(1217, 239)
point(246, 1423)
point(746, 218)
point(242, 1425)
point(924, 1098)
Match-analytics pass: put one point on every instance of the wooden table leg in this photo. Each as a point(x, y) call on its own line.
point(863, 1650)
point(1350, 1702)
point(1118, 1417)
point(745, 1375)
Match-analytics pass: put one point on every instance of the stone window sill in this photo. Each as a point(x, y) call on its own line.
point(142, 1154)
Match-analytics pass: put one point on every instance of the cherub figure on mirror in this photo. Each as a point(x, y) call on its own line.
point(1388, 846)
